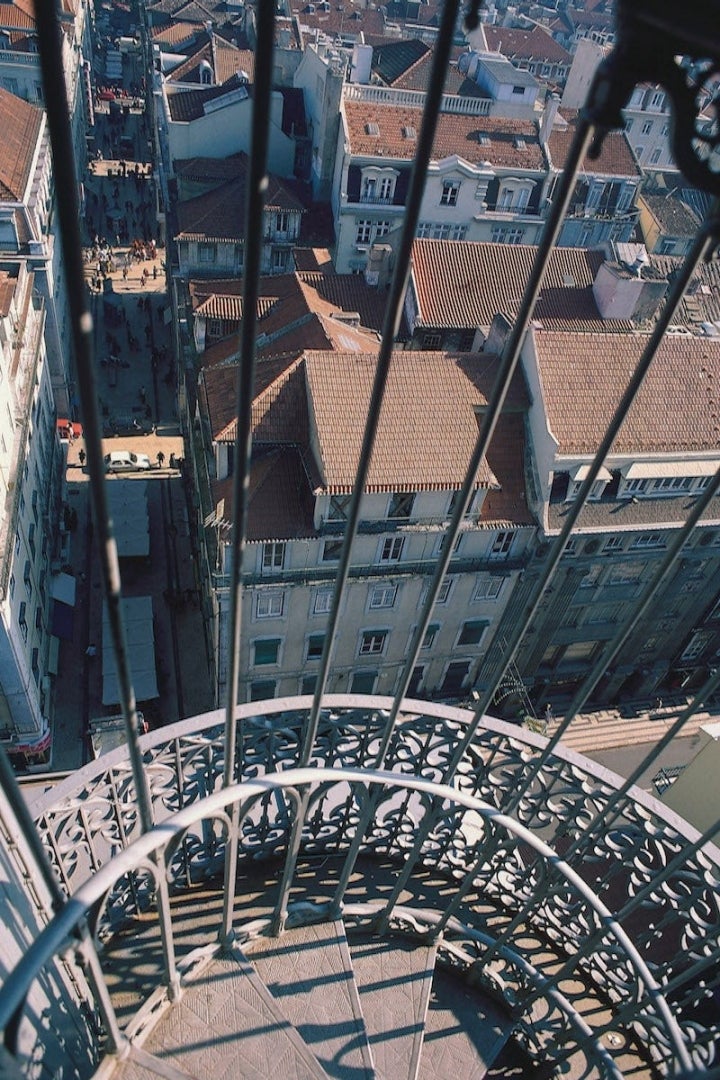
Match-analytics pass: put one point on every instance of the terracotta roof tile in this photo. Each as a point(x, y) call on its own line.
point(584, 375)
point(281, 504)
point(488, 278)
point(22, 124)
point(176, 33)
point(428, 424)
point(535, 44)
point(13, 17)
point(616, 158)
point(456, 134)
point(220, 214)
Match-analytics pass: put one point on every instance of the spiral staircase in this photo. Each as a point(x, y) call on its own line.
point(338, 920)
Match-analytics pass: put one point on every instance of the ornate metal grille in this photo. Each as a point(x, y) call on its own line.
point(418, 787)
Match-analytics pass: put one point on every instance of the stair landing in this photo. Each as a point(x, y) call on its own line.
point(309, 1005)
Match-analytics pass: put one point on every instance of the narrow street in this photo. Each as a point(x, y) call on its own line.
point(136, 387)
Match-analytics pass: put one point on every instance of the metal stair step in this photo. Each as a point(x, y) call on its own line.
point(464, 1032)
point(309, 973)
point(225, 1026)
point(394, 980)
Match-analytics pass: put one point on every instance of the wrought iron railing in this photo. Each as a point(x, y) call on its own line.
point(548, 855)
point(577, 863)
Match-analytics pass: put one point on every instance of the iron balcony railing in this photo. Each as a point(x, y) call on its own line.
point(535, 835)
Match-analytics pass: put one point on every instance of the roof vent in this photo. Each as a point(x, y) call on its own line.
point(569, 281)
point(372, 128)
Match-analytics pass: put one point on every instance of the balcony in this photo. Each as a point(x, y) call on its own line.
point(430, 878)
point(356, 886)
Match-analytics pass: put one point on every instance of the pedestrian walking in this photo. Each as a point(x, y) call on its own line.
point(81, 458)
point(160, 459)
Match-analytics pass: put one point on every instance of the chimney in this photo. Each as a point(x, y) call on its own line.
point(628, 291)
point(552, 104)
point(500, 328)
point(377, 271)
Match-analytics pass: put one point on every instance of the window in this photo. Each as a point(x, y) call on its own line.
point(501, 234)
point(454, 501)
point(27, 579)
point(592, 578)
point(382, 596)
point(501, 545)
point(472, 632)
point(266, 651)
point(308, 684)
point(22, 620)
point(363, 682)
point(31, 538)
point(649, 540)
point(401, 504)
point(445, 590)
point(580, 651)
point(315, 644)
point(430, 635)
point(450, 191)
point(331, 550)
point(696, 645)
point(382, 228)
point(322, 602)
point(656, 155)
point(613, 543)
point(488, 588)
point(11, 586)
point(364, 232)
point(603, 613)
point(35, 666)
point(207, 253)
point(571, 548)
point(647, 127)
point(38, 617)
point(627, 573)
point(339, 506)
point(269, 605)
point(392, 548)
point(372, 642)
point(657, 101)
point(282, 222)
point(261, 689)
point(273, 555)
point(431, 341)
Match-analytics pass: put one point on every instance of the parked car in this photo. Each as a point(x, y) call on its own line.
point(125, 461)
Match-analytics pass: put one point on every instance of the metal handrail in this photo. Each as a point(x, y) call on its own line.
point(147, 853)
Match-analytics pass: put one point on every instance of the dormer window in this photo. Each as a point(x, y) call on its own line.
point(578, 477)
point(663, 479)
point(372, 128)
point(401, 504)
point(378, 185)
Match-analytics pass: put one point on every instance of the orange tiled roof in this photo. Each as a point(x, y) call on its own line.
point(535, 44)
point(616, 157)
point(220, 214)
point(455, 134)
point(487, 278)
point(428, 424)
point(21, 123)
point(174, 33)
point(281, 504)
point(16, 17)
point(584, 375)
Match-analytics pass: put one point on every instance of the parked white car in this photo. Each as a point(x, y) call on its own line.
point(125, 461)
